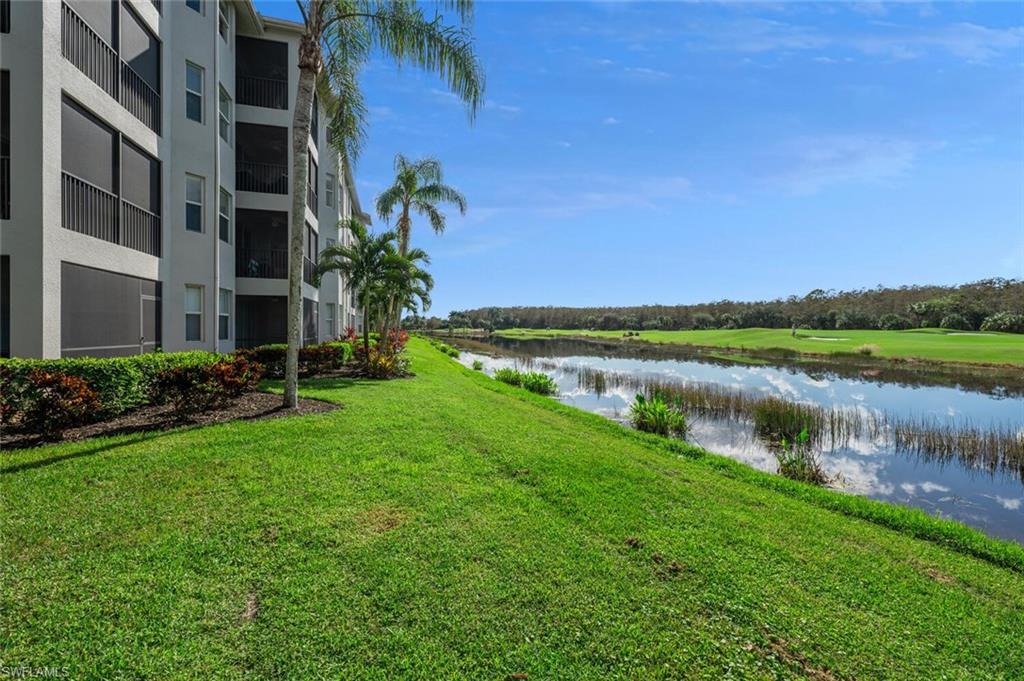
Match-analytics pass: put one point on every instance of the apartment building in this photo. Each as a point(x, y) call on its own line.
point(146, 191)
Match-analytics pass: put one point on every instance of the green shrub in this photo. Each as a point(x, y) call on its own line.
point(539, 383)
point(55, 402)
point(478, 365)
point(655, 416)
point(194, 388)
point(313, 359)
point(510, 376)
point(1004, 321)
point(956, 322)
point(121, 383)
point(894, 322)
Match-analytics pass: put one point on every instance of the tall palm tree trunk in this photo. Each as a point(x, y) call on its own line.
point(308, 67)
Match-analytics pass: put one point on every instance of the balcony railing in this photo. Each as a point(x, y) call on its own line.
point(94, 57)
point(140, 229)
point(261, 263)
point(308, 270)
point(90, 210)
point(311, 198)
point(269, 178)
point(139, 98)
point(84, 48)
point(5, 187)
point(270, 93)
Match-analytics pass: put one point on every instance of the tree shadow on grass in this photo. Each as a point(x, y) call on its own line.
point(89, 451)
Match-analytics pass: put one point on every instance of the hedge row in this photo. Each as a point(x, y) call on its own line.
point(313, 359)
point(121, 383)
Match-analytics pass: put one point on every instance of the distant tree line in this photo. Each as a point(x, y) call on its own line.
point(987, 305)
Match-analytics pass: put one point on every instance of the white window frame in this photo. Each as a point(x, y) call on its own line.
point(329, 191)
point(225, 118)
point(197, 93)
point(201, 203)
point(332, 332)
point(223, 22)
point(194, 313)
point(224, 312)
point(228, 215)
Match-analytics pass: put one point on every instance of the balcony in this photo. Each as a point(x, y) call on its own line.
point(90, 210)
point(308, 271)
point(270, 93)
point(98, 60)
point(261, 263)
point(5, 187)
point(311, 199)
point(269, 178)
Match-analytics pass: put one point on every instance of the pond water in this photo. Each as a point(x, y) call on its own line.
point(865, 465)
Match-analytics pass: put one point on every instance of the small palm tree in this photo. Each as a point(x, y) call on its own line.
point(419, 186)
point(338, 37)
point(366, 263)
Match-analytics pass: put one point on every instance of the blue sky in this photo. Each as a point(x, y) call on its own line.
point(679, 152)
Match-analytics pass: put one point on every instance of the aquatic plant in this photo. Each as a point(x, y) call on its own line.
point(534, 381)
point(478, 365)
point(797, 460)
point(867, 349)
point(653, 415)
point(776, 418)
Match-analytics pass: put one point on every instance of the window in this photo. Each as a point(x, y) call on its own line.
point(222, 22)
point(5, 16)
point(225, 116)
point(193, 92)
point(193, 203)
point(225, 216)
point(330, 189)
point(193, 312)
point(331, 333)
point(197, 5)
point(224, 315)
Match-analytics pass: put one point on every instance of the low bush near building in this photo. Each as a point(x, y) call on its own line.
point(120, 383)
point(191, 389)
point(653, 415)
point(313, 359)
point(53, 402)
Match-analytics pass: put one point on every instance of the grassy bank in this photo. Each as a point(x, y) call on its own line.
point(932, 344)
point(449, 526)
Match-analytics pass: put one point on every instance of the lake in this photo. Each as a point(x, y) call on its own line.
point(872, 466)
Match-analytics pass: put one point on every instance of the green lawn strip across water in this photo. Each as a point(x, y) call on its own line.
point(931, 344)
point(448, 526)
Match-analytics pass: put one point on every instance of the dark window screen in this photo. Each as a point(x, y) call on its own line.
point(140, 49)
point(104, 314)
point(140, 181)
point(100, 15)
point(5, 306)
point(88, 147)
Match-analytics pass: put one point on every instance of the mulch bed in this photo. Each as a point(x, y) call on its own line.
point(254, 406)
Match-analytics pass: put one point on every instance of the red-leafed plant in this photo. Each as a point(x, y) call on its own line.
point(57, 402)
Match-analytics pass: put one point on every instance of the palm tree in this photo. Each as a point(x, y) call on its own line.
point(419, 186)
point(338, 37)
point(407, 281)
point(366, 264)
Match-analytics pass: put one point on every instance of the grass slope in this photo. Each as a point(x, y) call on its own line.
point(933, 344)
point(448, 526)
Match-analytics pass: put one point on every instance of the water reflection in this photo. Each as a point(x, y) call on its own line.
point(865, 465)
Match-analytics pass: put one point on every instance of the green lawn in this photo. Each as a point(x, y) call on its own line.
point(448, 526)
point(934, 344)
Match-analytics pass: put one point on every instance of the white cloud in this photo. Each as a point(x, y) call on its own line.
point(563, 144)
point(504, 108)
point(611, 120)
point(813, 163)
point(646, 73)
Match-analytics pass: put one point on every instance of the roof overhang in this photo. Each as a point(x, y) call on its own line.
point(249, 20)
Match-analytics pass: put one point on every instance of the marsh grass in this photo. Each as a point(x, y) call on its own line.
point(995, 448)
point(654, 415)
point(797, 460)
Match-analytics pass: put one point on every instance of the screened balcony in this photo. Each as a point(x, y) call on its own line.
point(111, 45)
point(261, 158)
point(261, 73)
